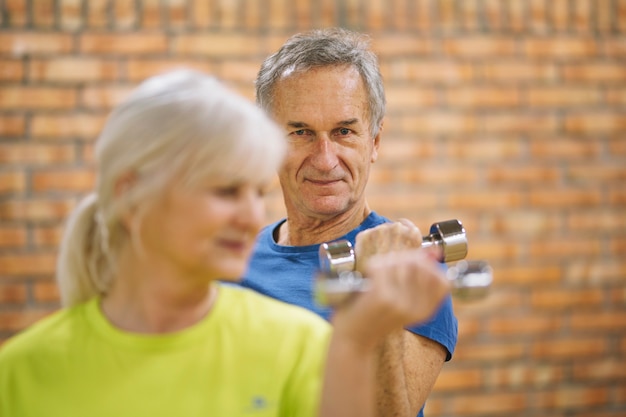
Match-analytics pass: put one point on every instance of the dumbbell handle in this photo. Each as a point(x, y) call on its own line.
point(470, 280)
point(449, 235)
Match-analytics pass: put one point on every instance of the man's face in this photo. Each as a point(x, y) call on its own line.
point(330, 151)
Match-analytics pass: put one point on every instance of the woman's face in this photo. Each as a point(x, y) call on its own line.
point(206, 231)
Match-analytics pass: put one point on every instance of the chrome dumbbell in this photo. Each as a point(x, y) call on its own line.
point(450, 235)
point(470, 280)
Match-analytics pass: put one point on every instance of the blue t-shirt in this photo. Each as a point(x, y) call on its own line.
point(287, 273)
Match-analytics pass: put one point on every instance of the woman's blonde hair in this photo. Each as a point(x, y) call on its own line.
point(181, 125)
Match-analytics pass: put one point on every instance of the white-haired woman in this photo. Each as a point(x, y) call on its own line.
point(146, 330)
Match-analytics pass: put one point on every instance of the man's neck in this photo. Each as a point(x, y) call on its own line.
point(303, 231)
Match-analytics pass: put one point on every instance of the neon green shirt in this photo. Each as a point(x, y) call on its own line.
point(251, 356)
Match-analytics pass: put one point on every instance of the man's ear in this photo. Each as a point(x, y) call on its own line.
point(376, 144)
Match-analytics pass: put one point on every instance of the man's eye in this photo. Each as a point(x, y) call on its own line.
point(300, 132)
point(344, 131)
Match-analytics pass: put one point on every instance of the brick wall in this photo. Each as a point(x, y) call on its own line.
point(509, 115)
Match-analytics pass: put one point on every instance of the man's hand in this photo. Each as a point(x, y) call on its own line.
point(384, 238)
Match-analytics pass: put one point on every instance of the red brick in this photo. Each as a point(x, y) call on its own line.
point(578, 347)
point(480, 404)
point(559, 197)
point(599, 370)
point(43, 13)
point(243, 71)
point(15, 13)
point(136, 43)
point(403, 98)
point(564, 148)
point(596, 72)
point(73, 70)
point(12, 125)
point(493, 352)
point(426, 71)
point(18, 154)
point(537, 16)
point(581, 15)
point(36, 98)
point(277, 12)
point(124, 14)
point(390, 45)
point(34, 43)
point(436, 175)
point(470, 328)
point(45, 236)
point(482, 97)
point(484, 148)
point(529, 174)
point(594, 122)
point(517, 15)
point(564, 97)
point(140, 69)
point(35, 210)
point(603, 15)
point(564, 48)
point(484, 199)
point(520, 376)
point(479, 47)
point(200, 13)
point(438, 123)
point(523, 223)
point(524, 325)
point(516, 123)
point(494, 14)
point(70, 13)
point(599, 321)
point(458, 379)
point(46, 291)
point(12, 182)
point(404, 150)
point(216, 46)
point(12, 294)
point(595, 271)
point(98, 13)
point(528, 275)
point(494, 250)
point(497, 300)
point(567, 397)
point(12, 237)
point(15, 321)
point(616, 97)
point(617, 247)
point(561, 298)
point(469, 15)
point(407, 201)
point(76, 125)
point(30, 264)
point(515, 71)
point(11, 70)
point(103, 98)
point(80, 180)
point(603, 220)
point(560, 13)
point(565, 247)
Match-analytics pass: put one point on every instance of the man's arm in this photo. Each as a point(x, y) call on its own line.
point(408, 366)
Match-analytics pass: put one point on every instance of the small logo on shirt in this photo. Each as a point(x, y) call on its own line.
point(258, 403)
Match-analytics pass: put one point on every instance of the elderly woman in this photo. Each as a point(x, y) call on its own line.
point(147, 329)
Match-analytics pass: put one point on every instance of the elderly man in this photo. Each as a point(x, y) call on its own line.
point(325, 89)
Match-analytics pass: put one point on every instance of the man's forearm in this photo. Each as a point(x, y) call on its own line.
point(408, 366)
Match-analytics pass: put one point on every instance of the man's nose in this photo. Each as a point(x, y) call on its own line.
point(324, 153)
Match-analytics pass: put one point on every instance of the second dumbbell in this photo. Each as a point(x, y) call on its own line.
point(449, 235)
